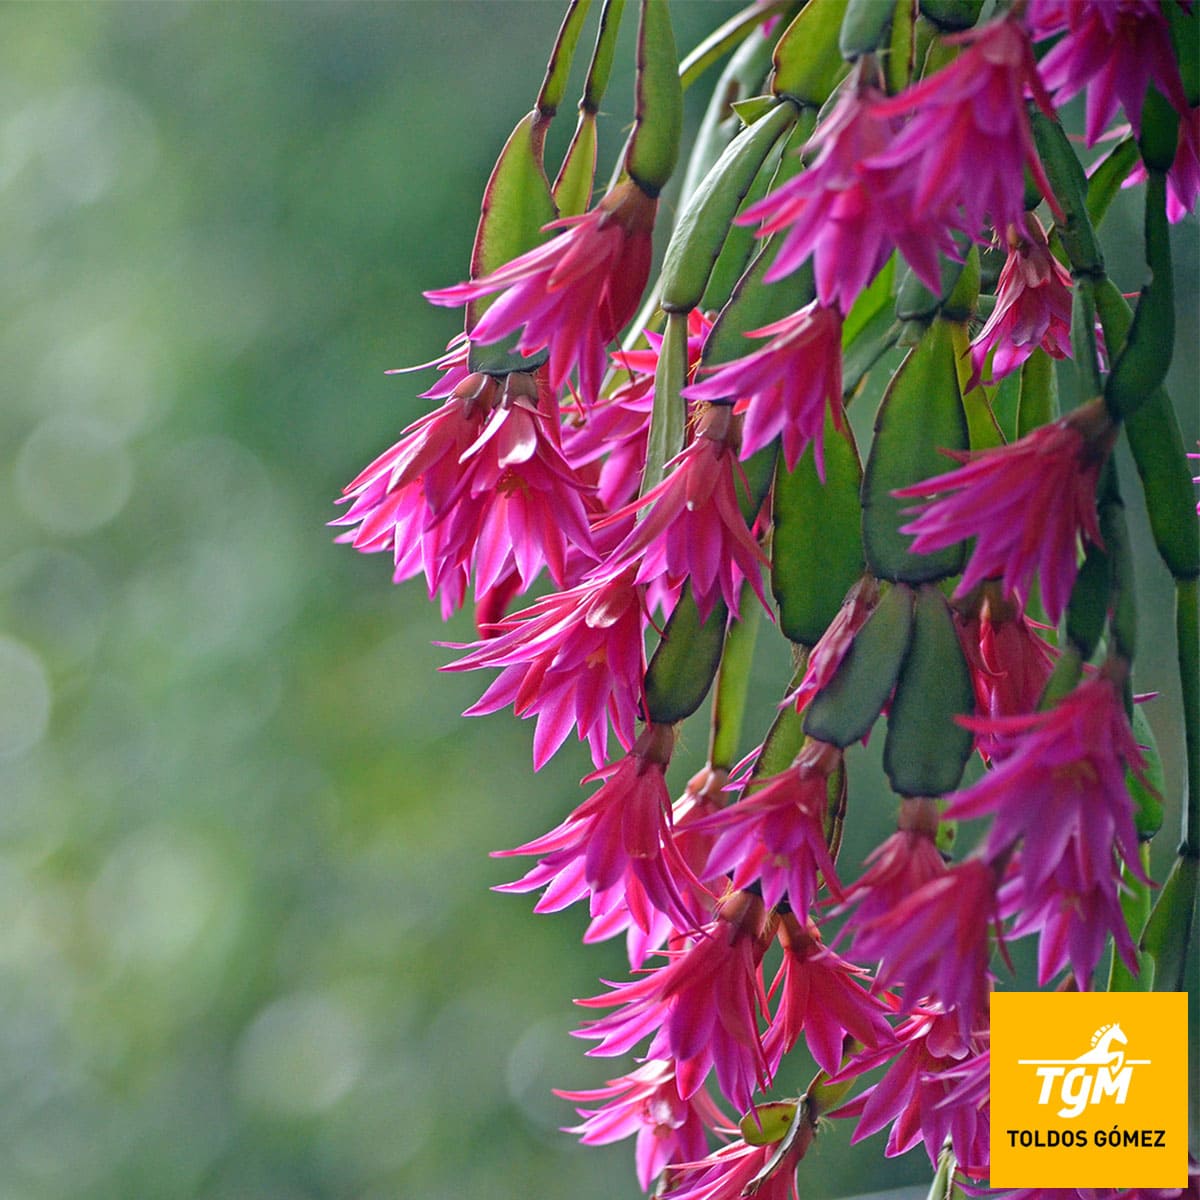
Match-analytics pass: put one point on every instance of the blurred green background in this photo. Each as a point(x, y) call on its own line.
point(247, 950)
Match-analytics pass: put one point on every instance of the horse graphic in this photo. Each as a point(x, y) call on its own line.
point(1100, 1055)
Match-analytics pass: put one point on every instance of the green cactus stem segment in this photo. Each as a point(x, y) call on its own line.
point(653, 147)
point(685, 662)
point(1070, 188)
point(558, 68)
point(724, 38)
point(704, 224)
point(1141, 366)
point(733, 683)
point(808, 59)
point(669, 412)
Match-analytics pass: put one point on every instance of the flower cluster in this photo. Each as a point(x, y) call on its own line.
point(649, 491)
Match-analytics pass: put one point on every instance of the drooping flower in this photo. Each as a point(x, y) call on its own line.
point(615, 429)
point(835, 210)
point(701, 1008)
point(572, 294)
point(1060, 794)
point(737, 1170)
point(936, 942)
point(646, 1102)
point(902, 865)
point(1061, 790)
point(572, 659)
point(1026, 504)
point(1010, 663)
point(1113, 49)
point(1033, 307)
point(912, 1095)
point(774, 836)
point(478, 487)
point(964, 153)
point(693, 529)
point(1072, 919)
point(823, 997)
point(785, 386)
point(616, 847)
point(452, 363)
point(397, 501)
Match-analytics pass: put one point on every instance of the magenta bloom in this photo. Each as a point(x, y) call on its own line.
point(701, 1009)
point(646, 1103)
point(823, 997)
point(903, 864)
point(1060, 793)
point(694, 530)
point(572, 659)
point(834, 211)
point(775, 835)
point(1115, 49)
point(1072, 920)
point(1033, 307)
point(1010, 666)
point(397, 502)
point(616, 847)
point(913, 1094)
point(573, 293)
point(730, 1173)
point(1183, 179)
point(936, 942)
point(479, 486)
point(615, 428)
point(964, 152)
point(701, 798)
point(1026, 504)
point(784, 387)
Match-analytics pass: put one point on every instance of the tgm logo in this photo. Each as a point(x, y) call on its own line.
point(1071, 1107)
point(1096, 1073)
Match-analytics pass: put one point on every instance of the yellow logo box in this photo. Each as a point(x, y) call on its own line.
point(1089, 1089)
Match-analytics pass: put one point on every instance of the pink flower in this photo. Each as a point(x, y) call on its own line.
point(480, 486)
point(775, 835)
point(573, 293)
point(702, 1008)
point(734, 1171)
point(694, 530)
point(1033, 307)
point(913, 1094)
point(1060, 794)
point(835, 211)
point(518, 503)
point(1010, 664)
point(617, 845)
point(700, 799)
point(964, 152)
point(1183, 179)
point(1061, 789)
point(784, 387)
point(397, 501)
point(572, 659)
point(452, 363)
point(908, 860)
point(1114, 49)
point(936, 942)
point(1073, 920)
point(1026, 504)
point(646, 1103)
point(835, 642)
point(823, 997)
point(616, 427)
